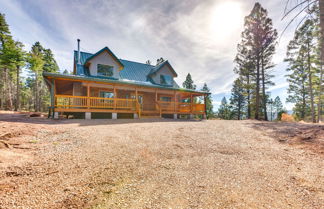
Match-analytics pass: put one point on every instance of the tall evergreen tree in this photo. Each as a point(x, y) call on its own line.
point(189, 83)
point(224, 110)
point(36, 63)
point(209, 102)
point(16, 92)
point(277, 104)
point(304, 70)
point(254, 57)
point(19, 60)
point(237, 99)
point(6, 63)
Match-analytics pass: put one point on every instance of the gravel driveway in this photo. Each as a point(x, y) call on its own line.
point(160, 164)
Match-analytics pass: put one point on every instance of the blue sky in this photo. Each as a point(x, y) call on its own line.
point(196, 36)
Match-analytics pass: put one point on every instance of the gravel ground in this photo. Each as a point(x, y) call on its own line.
point(157, 164)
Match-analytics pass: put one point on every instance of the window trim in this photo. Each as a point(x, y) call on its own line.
point(162, 78)
point(110, 68)
point(167, 99)
point(106, 91)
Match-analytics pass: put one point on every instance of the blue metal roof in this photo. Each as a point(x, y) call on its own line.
point(133, 71)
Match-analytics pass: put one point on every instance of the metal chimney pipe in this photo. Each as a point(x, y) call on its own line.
point(79, 61)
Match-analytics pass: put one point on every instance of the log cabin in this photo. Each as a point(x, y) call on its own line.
point(104, 86)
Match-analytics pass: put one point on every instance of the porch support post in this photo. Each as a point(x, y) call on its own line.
point(191, 103)
point(135, 116)
point(115, 97)
point(137, 105)
point(88, 95)
point(157, 107)
point(175, 116)
point(191, 116)
point(205, 102)
point(114, 115)
point(175, 100)
point(52, 98)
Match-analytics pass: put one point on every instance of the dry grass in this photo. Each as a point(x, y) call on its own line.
point(161, 164)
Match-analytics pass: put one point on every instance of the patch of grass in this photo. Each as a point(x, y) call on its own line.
point(34, 141)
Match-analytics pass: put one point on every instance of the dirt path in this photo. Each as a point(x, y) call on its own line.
point(160, 164)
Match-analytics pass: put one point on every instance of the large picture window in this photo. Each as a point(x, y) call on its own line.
point(105, 70)
point(165, 99)
point(166, 80)
point(106, 94)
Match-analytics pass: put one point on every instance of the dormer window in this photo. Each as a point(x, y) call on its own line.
point(105, 70)
point(166, 80)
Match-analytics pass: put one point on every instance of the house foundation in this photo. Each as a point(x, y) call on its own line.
point(114, 115)
point(88, 115)
point(56, 115)
point(175, 116)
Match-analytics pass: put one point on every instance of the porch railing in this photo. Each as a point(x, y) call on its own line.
point(83, 102)
point(68, 102)
point(181, 107)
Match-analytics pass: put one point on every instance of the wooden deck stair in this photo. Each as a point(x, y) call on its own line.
point(150, 114)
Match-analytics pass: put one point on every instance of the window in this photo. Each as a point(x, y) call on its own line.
point(166, 80)
point(165, 99)
point(105, 70)
point(106, 94)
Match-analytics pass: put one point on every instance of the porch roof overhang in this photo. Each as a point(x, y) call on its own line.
point(122, 82)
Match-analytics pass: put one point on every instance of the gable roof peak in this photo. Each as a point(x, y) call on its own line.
point(159, 66)
point(105, 49)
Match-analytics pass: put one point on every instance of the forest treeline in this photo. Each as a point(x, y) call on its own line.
point(249, 95)
point(21, 85)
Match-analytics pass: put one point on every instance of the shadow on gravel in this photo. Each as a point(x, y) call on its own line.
point(24, 118)
point(307, 135)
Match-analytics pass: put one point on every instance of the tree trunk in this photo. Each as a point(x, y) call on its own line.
point(239, 111)
point(10, 97)
point(321, 8)
point(310, 84)
point(304, 102)
point(319, 104)
point(17, 104)
point(257, 93)
point(36, 93)
point(249, 97)
point(264, 97)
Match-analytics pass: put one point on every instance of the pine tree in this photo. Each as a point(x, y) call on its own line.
point(271, 108)
point(277, 104)
point(254, 59)
point(19, 60)
point(36, 63)
point(6, 63)
point(224, 110)
point(188, 83)
point(304, 68)
point(209, 101)
point(237, 99)
point(50, 64)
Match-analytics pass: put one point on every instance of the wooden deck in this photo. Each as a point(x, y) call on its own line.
point(67, 103)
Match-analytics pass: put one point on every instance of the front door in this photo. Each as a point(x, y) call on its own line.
point(139, 99)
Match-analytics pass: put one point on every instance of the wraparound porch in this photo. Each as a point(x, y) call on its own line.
point(89, 97)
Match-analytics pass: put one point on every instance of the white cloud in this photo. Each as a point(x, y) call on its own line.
point(184, 32)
